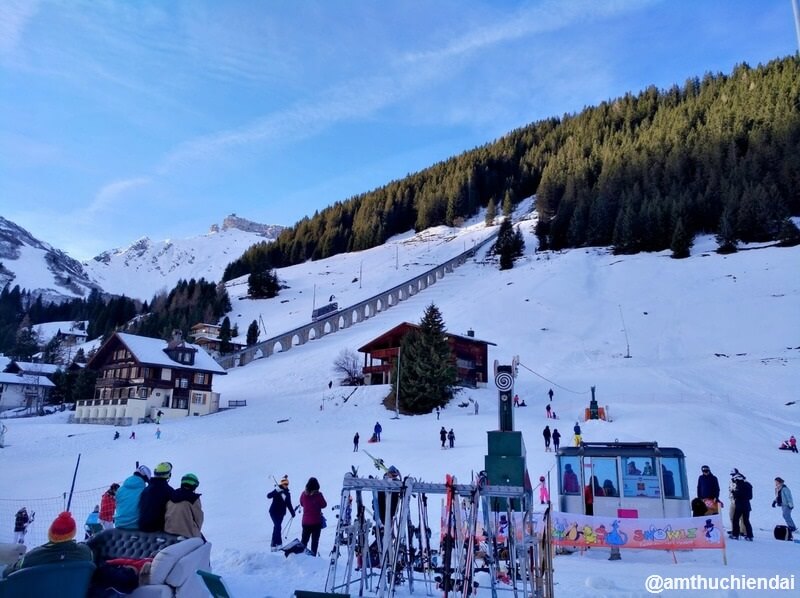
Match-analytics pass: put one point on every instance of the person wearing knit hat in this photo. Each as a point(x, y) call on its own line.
point(61, 547)
point(281, 502)
point(108, 504)
point(153, 503)
point(126, 513)
point(184, 514)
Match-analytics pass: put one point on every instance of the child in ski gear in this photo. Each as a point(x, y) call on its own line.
point(443, 436)
point(132, 436)
point(516, 400)
point(126, 515)
point(793, 443)
point(281, 502)
point(451, 437)
point(476, 409)
point(60, 548)
point(92, 525)
point(116, 434)
point(707, 485)
point(312, 502)
point(548, 411)
point(550, 393)
point(394, 499)
point(184, 514)
point(546, 434)
point(158, 433)
point(544, 493)
point(21, 523)
point(437, 413)
point(556, 438)
point(377, 430)
point(108, 504)
point(742, 495)
point(153, 502)
point(783, 499)
point(735, 525)
point(355, 443)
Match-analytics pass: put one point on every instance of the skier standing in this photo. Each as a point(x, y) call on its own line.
point(377, 430)
point(783, 499)
point(548, 410)
point(21, 522)
point(544, 493)
point(546, 434)
point(281, 502)
point(443, 436)
point(550, 394)
point(577, 429)
point(451, 437)
point(312, 502)
point(742, 495)
point(355, 443)
point(556, 439)
point(108, 504)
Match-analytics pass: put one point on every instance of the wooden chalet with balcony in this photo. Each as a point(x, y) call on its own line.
point(471, 356)
point(141, 379)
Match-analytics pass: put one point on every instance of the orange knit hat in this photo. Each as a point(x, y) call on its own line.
point(62, 529)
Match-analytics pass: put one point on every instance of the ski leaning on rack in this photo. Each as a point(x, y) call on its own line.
point(448, 539)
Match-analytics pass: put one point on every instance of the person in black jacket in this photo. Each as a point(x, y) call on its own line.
point(546, 434)
point(708, 485)
point(281, 502)
point(153, 502)
point(742, 495)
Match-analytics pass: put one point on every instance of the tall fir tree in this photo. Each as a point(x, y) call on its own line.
point(225, 336)
point(491, 212)
point(427, 368)
point(252, 333)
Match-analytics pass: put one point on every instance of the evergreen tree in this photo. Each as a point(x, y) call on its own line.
point(27, 341)
point(681, 241)
point(225, 336)
point(508, 203)
point(83, 388)
point(263, 284)
point(80, 356)
point(509, 244)
point(427, 368)
point(789, 234)
point(491, 213)
point(726, 237)
point(252, 333)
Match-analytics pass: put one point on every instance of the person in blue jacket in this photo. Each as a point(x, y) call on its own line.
point(153, 503)
point(377, 430)
point(126, 515)
point(281, 502)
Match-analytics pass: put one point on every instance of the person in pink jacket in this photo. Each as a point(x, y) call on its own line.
point(312, 502)
point(544, 493)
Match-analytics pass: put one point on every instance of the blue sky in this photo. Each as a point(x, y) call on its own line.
point(125, 119)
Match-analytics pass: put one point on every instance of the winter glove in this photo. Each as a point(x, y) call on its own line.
point(774, 503)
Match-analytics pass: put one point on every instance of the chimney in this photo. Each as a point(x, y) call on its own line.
point(471, 333)
point(177, 339)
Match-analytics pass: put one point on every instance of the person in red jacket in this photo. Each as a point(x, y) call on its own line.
point(108, 504)
point(312, 502)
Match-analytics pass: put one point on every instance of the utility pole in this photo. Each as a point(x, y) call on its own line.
point(397, 390)
point(360, 268)
point(796, 10)
point(625, 330)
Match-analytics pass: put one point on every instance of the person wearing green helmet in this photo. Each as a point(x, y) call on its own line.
point(184, 515)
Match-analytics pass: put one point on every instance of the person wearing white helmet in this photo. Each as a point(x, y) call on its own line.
point(126, 514)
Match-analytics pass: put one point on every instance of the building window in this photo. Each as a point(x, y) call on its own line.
point(166, 374)
point(199, 378)
point(142, 393)
point(198, 398)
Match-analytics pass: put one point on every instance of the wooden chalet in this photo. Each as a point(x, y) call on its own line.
point(470, 354)
point(142, 378)
point(207, 336)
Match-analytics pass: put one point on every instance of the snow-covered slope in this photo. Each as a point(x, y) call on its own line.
point(714, 370)
point(39, 267)
point(146, 267)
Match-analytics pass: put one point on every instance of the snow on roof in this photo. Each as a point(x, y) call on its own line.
point(25, 380)
point(47, 330)
point(151, 350)
point(30, 367)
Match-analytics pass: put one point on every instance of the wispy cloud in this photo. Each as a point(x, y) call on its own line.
point(14, 17)
point(112, 192)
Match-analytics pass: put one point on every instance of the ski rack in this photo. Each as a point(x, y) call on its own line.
point(529, 563)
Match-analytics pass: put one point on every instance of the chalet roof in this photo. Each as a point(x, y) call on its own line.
point(404, 328)
point(150, 351)
point(201, 325)
point(25, 380)
point(30, 367)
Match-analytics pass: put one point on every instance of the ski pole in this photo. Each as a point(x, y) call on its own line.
point(288, 528)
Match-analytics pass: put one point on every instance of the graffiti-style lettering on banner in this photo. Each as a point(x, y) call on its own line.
point(662, 534)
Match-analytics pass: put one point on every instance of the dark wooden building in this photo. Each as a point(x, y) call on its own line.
point(470, 354)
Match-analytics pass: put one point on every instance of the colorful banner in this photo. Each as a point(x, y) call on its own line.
point(583, 531)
